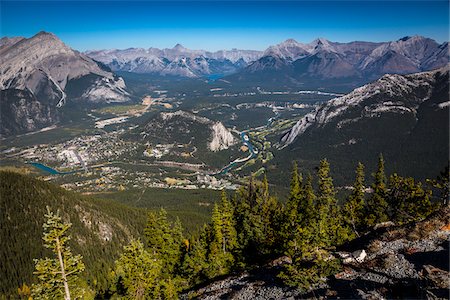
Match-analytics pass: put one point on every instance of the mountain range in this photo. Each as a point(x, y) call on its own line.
point(39, 74)
point(178, 61)
point(289, 60)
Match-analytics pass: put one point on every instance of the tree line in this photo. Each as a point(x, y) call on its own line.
point(252, 227)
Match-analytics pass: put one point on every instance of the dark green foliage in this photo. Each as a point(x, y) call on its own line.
point(258, 217)
point(291, 209)
point(330, 226)
point(224, 237)
point(248, 229)
point(137, 271)
point(377, 206)
point(58, 276)
point(353, 210)
point(442, 184)
point(310, 269)
point(195, 263)
point(164, 239)
point(99, 230)
point(408, 200)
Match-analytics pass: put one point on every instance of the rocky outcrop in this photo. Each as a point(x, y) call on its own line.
point(407, 262)
point(21, 111)
point(222, 138)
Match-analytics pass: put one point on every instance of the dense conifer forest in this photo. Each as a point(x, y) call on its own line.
point(248, 228)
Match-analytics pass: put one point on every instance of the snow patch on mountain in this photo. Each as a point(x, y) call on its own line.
point(444, 104)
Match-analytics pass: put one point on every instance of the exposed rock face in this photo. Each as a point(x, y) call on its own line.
point(21, 111)
point(222, 138)
point(45, 67)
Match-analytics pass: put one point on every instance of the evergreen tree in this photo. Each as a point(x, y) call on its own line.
point(258, 217)
point(442, 184)
point(325, 205)
point(224, 224)
point(58, 277)
point(408, 200)
point(224, 237)
point(318, 226)
point(138, 272)
point(353, 210)
point(377, 206)
point(291, 208)
point(304, 230)
point(164, 239)
point(195, 263)
point(306, 205)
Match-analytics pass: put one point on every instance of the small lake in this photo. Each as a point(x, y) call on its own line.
point(48, 169)
point(44, 168)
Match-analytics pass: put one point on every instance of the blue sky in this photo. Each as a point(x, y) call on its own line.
point(214, 25)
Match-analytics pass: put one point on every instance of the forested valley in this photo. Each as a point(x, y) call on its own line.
point(247, 229)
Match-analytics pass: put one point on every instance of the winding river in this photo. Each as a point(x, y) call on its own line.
point(252, 153)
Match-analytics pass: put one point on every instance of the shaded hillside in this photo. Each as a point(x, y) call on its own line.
point(100, 229)
point(404, 117)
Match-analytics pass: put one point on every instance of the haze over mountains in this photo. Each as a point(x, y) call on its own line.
point(290, 59)
point(178, 61)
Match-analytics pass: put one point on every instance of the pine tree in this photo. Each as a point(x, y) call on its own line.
point(139, 271)
point(325, 204)
point(306, 205)
point(408, 200)
point(442, 184)
point(58, 277)
point(377, 206)
point(258, 218)
point(164, 239)
point(353, 210)
point(228, 224)
point(291, 208)
point(224, 237)
point(195, 263)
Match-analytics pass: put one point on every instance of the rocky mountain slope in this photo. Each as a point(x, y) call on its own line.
point(390, 262)
point(176, 61)
point(188, 128)
point(99, 230)
point(296, 62)
point(403, 116)
point(39, 74)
